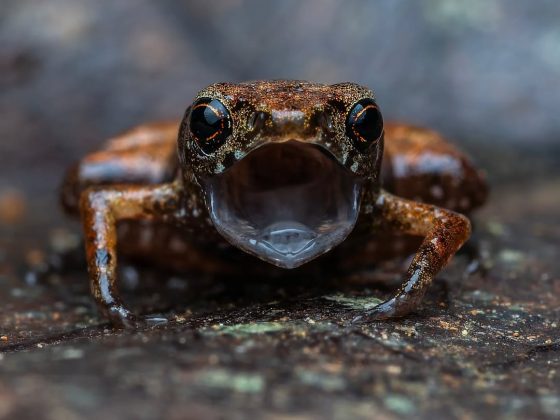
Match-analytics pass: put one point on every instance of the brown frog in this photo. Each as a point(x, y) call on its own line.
point(283, 170)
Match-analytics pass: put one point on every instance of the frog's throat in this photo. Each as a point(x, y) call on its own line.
point(286, 203)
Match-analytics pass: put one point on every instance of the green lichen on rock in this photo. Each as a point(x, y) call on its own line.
point(354, 302)
point(250, 328)
point(296, 327)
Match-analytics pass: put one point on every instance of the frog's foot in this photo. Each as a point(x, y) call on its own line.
point(395, 307)
point(121, 317)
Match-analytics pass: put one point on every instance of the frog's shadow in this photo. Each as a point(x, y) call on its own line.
point(315, 288)
point(294, 293)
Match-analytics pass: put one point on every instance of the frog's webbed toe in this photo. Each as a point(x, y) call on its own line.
point(139, 321)
point(120, 316)
point(394, 307)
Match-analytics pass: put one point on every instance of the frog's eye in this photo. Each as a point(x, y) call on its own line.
point(364, 124)
point(210, 124)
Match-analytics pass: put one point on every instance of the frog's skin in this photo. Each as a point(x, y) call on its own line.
point(138, 178)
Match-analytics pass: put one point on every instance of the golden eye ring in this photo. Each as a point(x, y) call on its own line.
point(364, 124)
point(210, 124)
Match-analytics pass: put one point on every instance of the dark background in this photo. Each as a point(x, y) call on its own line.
point(484, 72)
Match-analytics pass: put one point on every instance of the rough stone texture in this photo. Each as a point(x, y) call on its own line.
point(486, 342)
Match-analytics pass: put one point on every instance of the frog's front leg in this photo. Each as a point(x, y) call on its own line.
point(101, 208)
point(444, 233)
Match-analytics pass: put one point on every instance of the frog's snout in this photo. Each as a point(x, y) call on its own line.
point(296, 124)
point(286, 203)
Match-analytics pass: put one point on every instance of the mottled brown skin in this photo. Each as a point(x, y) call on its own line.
point(138, 177)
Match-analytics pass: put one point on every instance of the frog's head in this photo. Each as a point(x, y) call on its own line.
point(282, 163)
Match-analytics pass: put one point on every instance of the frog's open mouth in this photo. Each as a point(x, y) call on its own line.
point(286, 203)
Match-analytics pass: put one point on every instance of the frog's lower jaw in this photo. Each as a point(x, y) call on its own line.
point(286, 203)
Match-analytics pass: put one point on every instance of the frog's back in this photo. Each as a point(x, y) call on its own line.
point(421, 165)
point(143, 155)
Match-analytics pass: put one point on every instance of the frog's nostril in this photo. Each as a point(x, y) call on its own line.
point(256, 120)
point(286, 121)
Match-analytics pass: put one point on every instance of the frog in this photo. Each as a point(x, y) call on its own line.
point(279, 174)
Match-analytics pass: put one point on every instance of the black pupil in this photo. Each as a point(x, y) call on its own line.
point(364, 124)
point(210, 124)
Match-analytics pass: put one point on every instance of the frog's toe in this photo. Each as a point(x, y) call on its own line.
point(121, 317)
point(154, 320)
point(134, 322)
point(392, 308)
